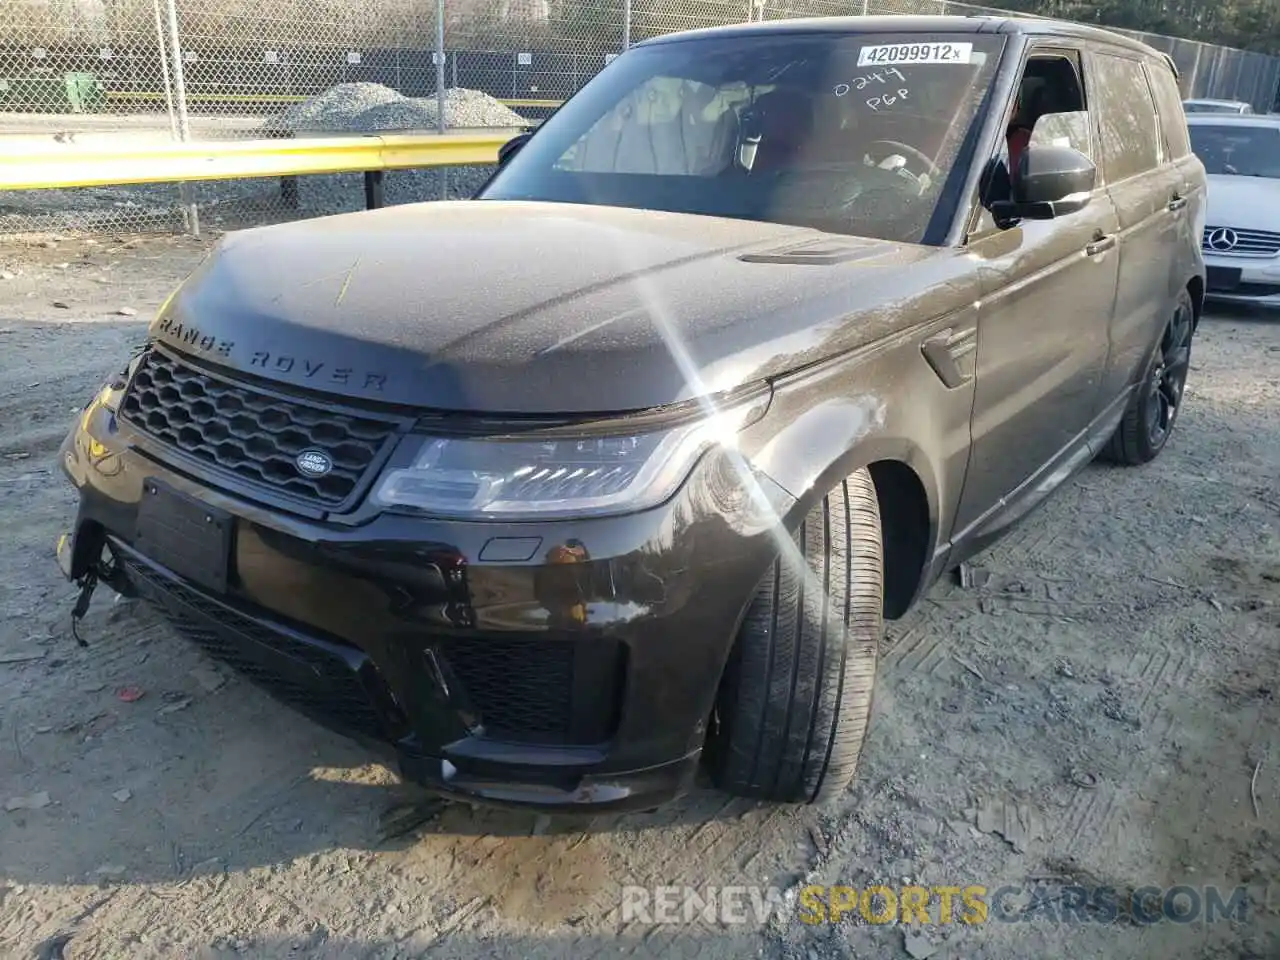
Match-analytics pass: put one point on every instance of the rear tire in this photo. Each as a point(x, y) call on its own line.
point(1153, 409)
point(794, 706)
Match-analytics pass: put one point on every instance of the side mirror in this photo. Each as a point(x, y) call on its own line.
point(1052, 182)
point(512, 147)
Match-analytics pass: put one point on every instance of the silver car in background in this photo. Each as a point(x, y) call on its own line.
point(1241, 238)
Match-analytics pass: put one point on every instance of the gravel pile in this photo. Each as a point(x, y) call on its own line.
point(335, 109)
point(475, 108)
point(405, 114)
point(371, 107)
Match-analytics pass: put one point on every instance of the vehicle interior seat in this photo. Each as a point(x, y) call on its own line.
point(786, 119)
point(1050, 85)
point(722, 144)
point(641, 135)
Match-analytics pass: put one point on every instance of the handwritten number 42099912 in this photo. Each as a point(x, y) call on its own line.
point(884, 77)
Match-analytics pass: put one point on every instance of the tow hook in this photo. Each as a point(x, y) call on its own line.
point(104, 571)
point(87, 584)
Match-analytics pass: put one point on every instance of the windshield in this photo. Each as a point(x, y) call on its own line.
point(857, 134)
point(1238, 151)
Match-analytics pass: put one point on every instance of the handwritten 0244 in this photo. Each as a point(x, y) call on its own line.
point(876, 81)
point(858, 84)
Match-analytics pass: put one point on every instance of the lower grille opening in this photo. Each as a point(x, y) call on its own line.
point(1257, 289)
point(542, 690)
point(334, 686)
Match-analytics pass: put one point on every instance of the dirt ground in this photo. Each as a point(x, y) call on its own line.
point(1101, 710)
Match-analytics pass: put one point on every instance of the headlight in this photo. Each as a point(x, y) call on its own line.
point(592, 469)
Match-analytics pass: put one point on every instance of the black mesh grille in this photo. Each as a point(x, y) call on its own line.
point(522, 689)
point(332, 691)
point(1257, 289)
point(253, 434)
point(538, 690)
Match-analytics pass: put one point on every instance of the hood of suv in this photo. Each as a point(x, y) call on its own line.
point(1244, 203)
point(533, 308)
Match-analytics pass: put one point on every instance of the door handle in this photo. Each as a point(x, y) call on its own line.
point(1177, 203)
point(1100, 245)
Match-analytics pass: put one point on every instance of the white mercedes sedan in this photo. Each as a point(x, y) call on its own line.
point(1241, 239)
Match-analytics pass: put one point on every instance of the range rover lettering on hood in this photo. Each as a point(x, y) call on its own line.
point(185, 335)
point(306, 369)
point(311, 370)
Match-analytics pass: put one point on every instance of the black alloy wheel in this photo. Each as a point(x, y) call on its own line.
point(1169, 378)
point(1148, 420)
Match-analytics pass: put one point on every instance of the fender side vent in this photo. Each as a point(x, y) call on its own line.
point(817, 253)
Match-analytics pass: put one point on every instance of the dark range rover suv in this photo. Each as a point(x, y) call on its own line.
point(616, 469)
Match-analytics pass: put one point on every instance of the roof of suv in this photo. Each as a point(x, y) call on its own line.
point(1023, 26)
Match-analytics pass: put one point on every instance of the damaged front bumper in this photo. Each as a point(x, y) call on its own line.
point(577, 671)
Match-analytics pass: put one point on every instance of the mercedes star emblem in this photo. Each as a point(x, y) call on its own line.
point(1223, 239)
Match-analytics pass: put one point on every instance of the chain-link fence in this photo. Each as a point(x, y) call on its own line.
point(133, 71)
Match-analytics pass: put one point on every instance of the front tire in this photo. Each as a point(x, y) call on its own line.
point(1148, 420)
point(794, 706)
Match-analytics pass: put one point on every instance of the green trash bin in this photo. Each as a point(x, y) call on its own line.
point(84, 93)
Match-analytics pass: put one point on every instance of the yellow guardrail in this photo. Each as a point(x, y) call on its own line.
point(37, 167)
point(550, 104)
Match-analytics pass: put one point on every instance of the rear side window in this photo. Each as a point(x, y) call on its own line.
point(1169, 105)
point(1127, 121)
